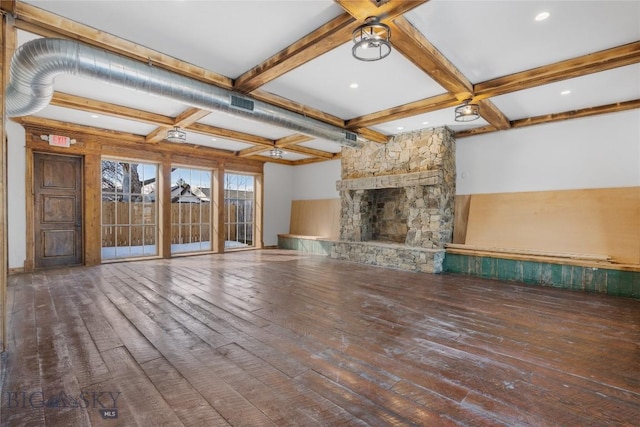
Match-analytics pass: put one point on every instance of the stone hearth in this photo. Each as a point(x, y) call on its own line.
point(397, 201)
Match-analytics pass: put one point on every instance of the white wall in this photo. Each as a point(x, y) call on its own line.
point(595, 152)
point(316, 181)
point(278, 193)
point(16, 220)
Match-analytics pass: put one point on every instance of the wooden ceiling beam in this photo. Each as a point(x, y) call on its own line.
point(73, 129)
point(252, 151)
point(8, 6)
point(310, 152)
point(373, 135)
point(591, 63)
point(48, 24)
point(247, 138)
point(292, 140)
point(61, 99)
point(287, 104)
point(308, 161)
point(584, 112)
point(475, 131)
point(407, 110)
point(270, 160)
point(326, 38)
point(415, 47)
point(184, 119)
point(556, 117)
point(385, 11)
point(493, 115)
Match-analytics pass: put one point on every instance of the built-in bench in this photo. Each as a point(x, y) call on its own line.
point(318, 245)
point(313, 226)
point(585, 239)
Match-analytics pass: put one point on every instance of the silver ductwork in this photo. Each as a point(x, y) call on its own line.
point(36, 64)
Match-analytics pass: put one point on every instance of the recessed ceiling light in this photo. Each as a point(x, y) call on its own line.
point(213, 139)
point(542, 16)
point(565, 92)
point(400, 127)
point(95, 116)
point(425, 123)
point(353, 85)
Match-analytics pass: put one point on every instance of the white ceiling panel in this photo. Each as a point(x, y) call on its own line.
point(215, 142)
point(227, 37)
point(488, 39)
point(242, 124)
point(323, 145)
point(484, 39)
point(324, 83)
point(608, 87)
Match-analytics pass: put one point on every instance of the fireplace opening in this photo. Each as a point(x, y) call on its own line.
point(389, 215)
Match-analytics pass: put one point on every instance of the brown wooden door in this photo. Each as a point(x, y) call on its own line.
point(58, 210)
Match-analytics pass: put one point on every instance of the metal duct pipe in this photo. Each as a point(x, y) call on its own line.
point(36, 64)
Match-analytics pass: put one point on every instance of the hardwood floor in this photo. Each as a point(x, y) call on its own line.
point(281, 338)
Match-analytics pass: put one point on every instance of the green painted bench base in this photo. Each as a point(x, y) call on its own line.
point(310, 246)
point(590, 279)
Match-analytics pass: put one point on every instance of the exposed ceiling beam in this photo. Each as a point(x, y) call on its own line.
point(253, 150)
point(292, 140)
point(54, 24)
point(326, 38)
point(66, 100)
point(415, 47)
point(592, 63)
point(385, 11)
point(229, 134)
point(475, 131)
point(73, 129)
point(407, 110)
point(556, 117)
point(287, 104)
point(373, 135)
point(264, 159)
point(493, 115)
point(8, 6)
point(584, 112)
point(309, 152)
point(187, 117)
point(311, 160)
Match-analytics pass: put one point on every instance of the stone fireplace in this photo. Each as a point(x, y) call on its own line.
point(397, 201)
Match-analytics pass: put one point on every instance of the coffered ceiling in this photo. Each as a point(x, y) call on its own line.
point(583, 59)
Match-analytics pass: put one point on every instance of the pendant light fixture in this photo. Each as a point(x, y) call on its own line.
point(467, 111)
point(276, 153)
point(176, 135)
point(371, 40)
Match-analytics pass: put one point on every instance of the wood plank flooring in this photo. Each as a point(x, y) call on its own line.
point(281, 338)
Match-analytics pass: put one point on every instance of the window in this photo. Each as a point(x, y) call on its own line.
point(129, 210)
point(239, 202)
point(190, 210)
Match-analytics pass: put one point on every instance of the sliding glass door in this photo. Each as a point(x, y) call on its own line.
point(239, 212)
point(190, 210)
point(129, 209)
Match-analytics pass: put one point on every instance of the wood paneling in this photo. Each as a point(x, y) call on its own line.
point(601, 222)
point(261, 338)
point(461, 218)
point(319, 217)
